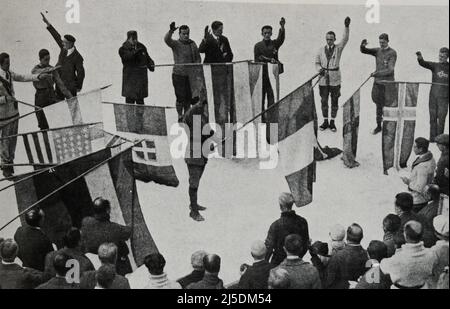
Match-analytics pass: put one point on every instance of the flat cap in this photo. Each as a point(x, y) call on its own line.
point(440, 224)
point(442, 139)
point(70, 38)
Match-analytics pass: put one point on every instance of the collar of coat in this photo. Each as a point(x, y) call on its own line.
point(423, 158)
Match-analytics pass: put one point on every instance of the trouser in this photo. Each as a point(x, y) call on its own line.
point(61, 97)
point(267, 92)
point(8, 145)
point(183, 93)
point(43, 98)
point(136, 117)
point(335, 93)
point(379, 97)
point(438, 114)
point(195, 174)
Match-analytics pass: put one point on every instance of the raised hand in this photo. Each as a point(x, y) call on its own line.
point(207, 32)
point(419, 54)
point(364, 42)
point(45, 19)
point(282, 22)
point(173, 27)
point(347, 21)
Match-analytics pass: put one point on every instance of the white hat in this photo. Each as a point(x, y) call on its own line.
point(440, 224)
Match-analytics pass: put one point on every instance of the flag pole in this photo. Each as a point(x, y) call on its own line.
point(30, 105)
point(359, 88)
point(198, 64)
point(403, 82)
point(64, 186)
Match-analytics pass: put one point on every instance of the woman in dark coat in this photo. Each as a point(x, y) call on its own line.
point(135, 61)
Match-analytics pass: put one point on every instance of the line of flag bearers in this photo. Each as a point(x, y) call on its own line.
point(295, 114)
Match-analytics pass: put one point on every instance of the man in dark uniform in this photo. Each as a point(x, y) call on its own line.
point(45, 88)
point(70, 60)
point(439, 93)
point(215, 45)
point(136, 61)
point(99, 229)
point(267, 51)
point(441, 178)
point(386, 57)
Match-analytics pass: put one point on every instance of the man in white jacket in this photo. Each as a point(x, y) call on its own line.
point(422, 173)
point(327, 64)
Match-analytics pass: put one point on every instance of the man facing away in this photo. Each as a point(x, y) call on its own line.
point(256, 276)
point(198, 269)
point(136, 61)
point(327, 64)
point(438, 102)
point(9, 111)
point(45, 88)
point(211, 280)
point(185, 51)
point(442, 174)
point(266, 51)
point(72, 70)
point(386, 57)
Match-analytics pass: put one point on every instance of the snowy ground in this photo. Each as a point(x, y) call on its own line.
point(241, 199)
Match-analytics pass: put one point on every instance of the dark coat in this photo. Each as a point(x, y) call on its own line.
point(34, 246)
point(374, 279)
point(302, 275)
point(428, 237)
point(72, 69)
point(195, 276)
point(289, 223)
point(89, 282)
point(214, 50)
point(209, 282)
point(346, 265)
point(441, 180)
point(58, 283)
point(13, 276)
point(85, 263)
point(135, 62)
point(256, 276)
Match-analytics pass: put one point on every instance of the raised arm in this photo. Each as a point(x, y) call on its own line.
point(425, 64)
point(367, 51)
point(56, 36)
point(168, 37)
point(346, 35)
point(281, 33)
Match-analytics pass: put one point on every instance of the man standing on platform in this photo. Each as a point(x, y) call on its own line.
point(71, 62)
point(439, 92)
point(9, 111)
point(185, 51)
point(215, 45)
point(386, 57)
point(327, 64)
point(267, 51)
point(45, 89)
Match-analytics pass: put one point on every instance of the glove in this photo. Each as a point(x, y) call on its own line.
point(322, 72)
point(419, 54)
point(347, 22)
point(364, 42)
point(173, 27)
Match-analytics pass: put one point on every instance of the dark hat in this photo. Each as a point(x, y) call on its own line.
point(43, 53)
point(384, 36)
point(444, 50)
point(70, 38)
point(442, 139)
point(132, 34)
point(422, 142)
point(321, 248)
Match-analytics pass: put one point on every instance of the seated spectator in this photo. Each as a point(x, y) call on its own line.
point(107, 254)
point(33, 243)
point(61, 281)
point(289, 223)
point(404, 209)
point(320, 259)
point(12, 275)
point(441, 248)
point(412, 266)
point(431, 210)
point(211, 280)
point(279, 279)
point(105, 277)
point(349, 263)
point(302, 275)
point(99, 229)
point(374, 279)
point(337, 236)
point(391, 227)
point(72, 247)
point(155, 264)
point(198, 269)
point(256, 276)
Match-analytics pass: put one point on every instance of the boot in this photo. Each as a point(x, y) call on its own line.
point(333, 126)
point(197, 207)
point(196, 216)
point(324, 125)
point(377, 130)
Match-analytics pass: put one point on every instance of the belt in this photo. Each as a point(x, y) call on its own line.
point(417, 287)
point(335, 69)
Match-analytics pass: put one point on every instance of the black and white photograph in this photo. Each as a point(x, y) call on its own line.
point(233, 145)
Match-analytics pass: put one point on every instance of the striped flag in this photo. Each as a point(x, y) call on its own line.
point(296, 142)
point(111, 178)
point(399, 123)
point(151, 157)
point(351, 128)
point(60, 145)
point(82, 109)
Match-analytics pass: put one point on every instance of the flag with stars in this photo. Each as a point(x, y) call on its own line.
point(56, 146)
point(147, 124)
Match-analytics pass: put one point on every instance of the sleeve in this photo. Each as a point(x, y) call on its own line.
point(426, 64)
point(332, 271)
point(270, 241)
point(24, 77)
point(281, 37)
point(197, 57)
point(318, 61)
point(124, 233)
point(368, 51)
point(79, 67)
point(61, 85)
point(316, 283)
point(56, 36)
point(203, 46)
point(243, 282)
point(230, 55)
point(258, 54)
point(150, 62)
point(345, 38)
point(34, 277)
point(127, 54)
point(168, 39)
point(419, 180)
point(37, 70)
